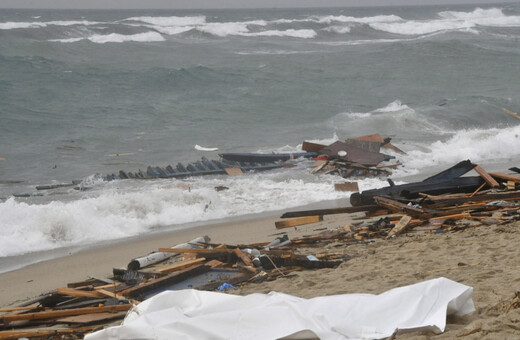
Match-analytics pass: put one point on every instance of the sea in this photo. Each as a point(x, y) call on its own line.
point(86, 93)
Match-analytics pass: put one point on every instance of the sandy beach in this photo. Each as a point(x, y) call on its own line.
point(481, 257)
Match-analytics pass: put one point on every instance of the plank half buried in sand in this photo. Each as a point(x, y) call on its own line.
point(298, 221)
point(400, 226)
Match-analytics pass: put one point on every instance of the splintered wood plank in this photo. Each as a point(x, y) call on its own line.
point(110, 294)
point(508, 177)
point(483, 173)
point(347, 186)
point(197, 251)
point(79, 293)
point(90, 318)
point(233, 171)
point(179, 266)
point(400, 226)
point(396, 206)
point(53, 314)
point(298, 221)
point(247, 261)
point(511, 185)
point(394, 148)
point(215, 264)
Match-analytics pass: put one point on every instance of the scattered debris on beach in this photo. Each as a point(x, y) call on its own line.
point(445, 202)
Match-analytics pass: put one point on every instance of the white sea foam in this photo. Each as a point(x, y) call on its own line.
point(365, 20)
point(338, 29)
point(393, 107)
point(116, 213)
point(170, 21)
point(38, 24)
point(303, 33)
point(478, 145)
point(450, 21)
point(116, 38)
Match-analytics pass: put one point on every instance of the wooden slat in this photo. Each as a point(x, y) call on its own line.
point(233, 171)
point(298, 221)
point(376, 137)
point(179, 266)
point(247, 261)
point(16, 309)
point(53, 314)
point(347, 186)
point(89, 318)
point(110, 294)
point(400, 226)
point(345, 210)
point(79, 293)
point(197, 251)
point(508, 177)
point(396, 206)
point(483, 173)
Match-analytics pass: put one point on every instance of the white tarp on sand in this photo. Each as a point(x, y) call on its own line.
point(198, 315)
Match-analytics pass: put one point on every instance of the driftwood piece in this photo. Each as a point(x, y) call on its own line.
point(234, 171)
point(298, 221)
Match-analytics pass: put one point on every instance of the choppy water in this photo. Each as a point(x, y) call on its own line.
point(78, 87)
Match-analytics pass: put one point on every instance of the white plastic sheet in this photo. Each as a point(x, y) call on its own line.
point(191, 314)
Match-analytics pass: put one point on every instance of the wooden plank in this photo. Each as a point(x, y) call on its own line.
point(165, 280)
point(90, 318)
point(376, 137)
point(179, 266)
point(53, 314)
point(215, 264)
point(483, 173)
point(233, 171)
point(392, 147)
point(197, 251)
point(507, 177)
point(79, 293)
point(298, 221)
point(400, 226)
point(347, 186)
point(511, 185)
point(16, 309)
point(514, 114)
point(332, 211)
point(110, 294)
point(247, 261)
point(396, 206)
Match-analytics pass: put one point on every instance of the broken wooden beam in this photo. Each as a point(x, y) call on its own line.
point(53, 314)
point(504, 176)
point(331, 211)
point(483, 173)
point(298, 221)
point(396, 206)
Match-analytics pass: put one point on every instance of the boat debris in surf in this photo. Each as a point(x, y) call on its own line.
point(354, 158)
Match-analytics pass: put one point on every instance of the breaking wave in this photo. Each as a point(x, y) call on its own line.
point(117, 38)
point(450, 21)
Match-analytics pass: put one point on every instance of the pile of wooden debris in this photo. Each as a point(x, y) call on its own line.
point(444, 202)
